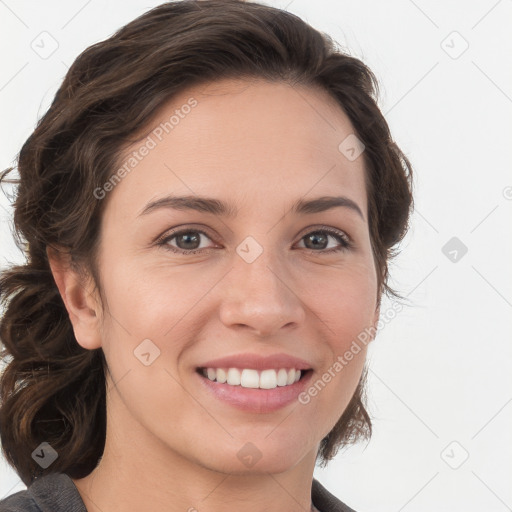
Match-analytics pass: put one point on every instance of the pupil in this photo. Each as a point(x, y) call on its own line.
point(315, 238)
point(188, 237)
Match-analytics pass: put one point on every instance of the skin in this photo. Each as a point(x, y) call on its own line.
point(171, 446)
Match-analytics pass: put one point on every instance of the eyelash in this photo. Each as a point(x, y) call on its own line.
point(345, 241)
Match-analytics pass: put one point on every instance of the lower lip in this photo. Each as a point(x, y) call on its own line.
point(256, 400)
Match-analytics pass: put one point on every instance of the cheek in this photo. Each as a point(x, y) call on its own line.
point(142, 340)
point(148, 301)
point(345, 305)
point(346, 302)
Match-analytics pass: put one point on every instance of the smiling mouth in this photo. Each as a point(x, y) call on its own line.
point(254, 379)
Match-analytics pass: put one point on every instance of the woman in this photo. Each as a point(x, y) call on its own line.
point(209, 206)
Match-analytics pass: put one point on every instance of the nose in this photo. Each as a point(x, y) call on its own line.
point(260, 298)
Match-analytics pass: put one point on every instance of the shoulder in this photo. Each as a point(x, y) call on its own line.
point(21, 501)
point(324, 501)
point(55, 492)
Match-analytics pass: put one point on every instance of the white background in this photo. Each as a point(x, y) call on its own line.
point(440, 371)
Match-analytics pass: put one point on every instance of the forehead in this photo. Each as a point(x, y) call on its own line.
point(249, 141)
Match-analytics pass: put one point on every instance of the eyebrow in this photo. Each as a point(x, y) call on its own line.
point(222, 209)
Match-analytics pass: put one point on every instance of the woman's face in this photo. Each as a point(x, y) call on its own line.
point(264, 280)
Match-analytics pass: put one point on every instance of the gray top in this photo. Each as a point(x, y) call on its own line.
point(56, 492)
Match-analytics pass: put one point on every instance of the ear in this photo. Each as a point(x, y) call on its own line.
point(375, 321)
point(79, 297)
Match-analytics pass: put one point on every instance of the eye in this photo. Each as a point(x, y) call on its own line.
point(320, 238)
point(188, 241)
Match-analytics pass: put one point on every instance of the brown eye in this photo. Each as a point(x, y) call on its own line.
point(318, 241)
point(187, 241)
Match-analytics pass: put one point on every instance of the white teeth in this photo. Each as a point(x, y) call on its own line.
point(268, 379)
point(234, 377)
point(282, 377)
point(249, 378)
point(221, 376)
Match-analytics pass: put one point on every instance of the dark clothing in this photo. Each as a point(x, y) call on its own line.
point(56, 492)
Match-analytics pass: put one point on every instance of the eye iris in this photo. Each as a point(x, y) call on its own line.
point(314, 237)
point(195, 238)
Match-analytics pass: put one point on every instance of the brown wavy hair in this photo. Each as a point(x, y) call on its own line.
point(51, 388)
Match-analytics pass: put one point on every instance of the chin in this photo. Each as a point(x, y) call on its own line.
point(258, 457)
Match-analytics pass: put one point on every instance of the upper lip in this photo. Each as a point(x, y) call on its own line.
point(258, 362)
